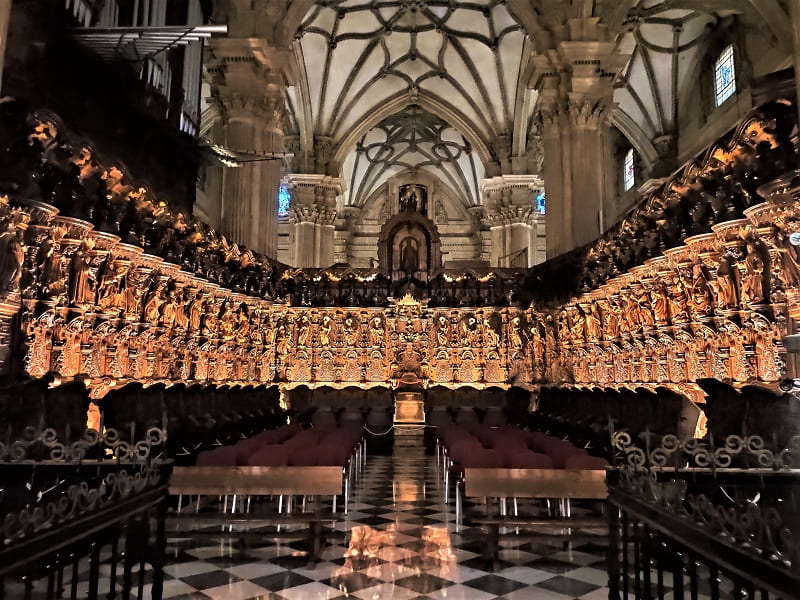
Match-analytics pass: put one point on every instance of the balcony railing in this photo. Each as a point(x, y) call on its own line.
point(142, 36)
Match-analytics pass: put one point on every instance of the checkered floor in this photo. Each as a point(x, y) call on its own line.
point(399, 541)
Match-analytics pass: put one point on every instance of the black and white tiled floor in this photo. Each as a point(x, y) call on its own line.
point(398, 541)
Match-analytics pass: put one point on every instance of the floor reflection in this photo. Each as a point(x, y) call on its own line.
point(369, 548)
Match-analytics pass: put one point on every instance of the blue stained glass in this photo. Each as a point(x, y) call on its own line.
point(540, 203)
point(284, 200)
point(724, 76)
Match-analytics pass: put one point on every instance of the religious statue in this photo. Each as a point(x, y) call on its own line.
point(789, 258)
point(81, 283)
point(443, 331)
point(577, 326)
point(752, 269)
point(325, 331)
point(109, 277)
point(351, 332)
point(594, 326)
point(678, 300)
point(181, 319)
point(700, 292)
point(152, 306)
point(490, 335)
point(169, 310)
point(196, 309)
point(48, 270)
point(658, 303)
point(303, 331)
point(515, 333)
point(12, 255)
point(726, 285)
point(409, 256)
point(376, 332)
point(228, 321)
point(412, 198)
point(440, 213)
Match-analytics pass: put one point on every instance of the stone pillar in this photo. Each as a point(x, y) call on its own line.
point(313, 218)
point(345, 223)
point(515, 227)
point(5, 17)
point(251, 96)
point(574, 80)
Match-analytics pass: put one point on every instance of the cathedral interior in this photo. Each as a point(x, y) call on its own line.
point(405, 299)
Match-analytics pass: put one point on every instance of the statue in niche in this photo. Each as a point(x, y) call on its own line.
point(752, 269)
point(440, 213)
point(303, 331)
point(414, 198)
point(443, 331)
point(492, 339)
point(409, 256)
point(351, 332)
point(325, 331)
point(48, 269)
point(386, 210)
point(376, 332)
point(725, 284)
point(81, 284)
point(12, 255)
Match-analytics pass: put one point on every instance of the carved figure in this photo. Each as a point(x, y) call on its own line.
point(12, 254)
point(443, 331)
point(325, 331)
point(303, 331)
point(376, 332)
point(515, 333)
point(350, 332)
point(752, 276)
point(48, 270)
point(700, 292)
point(725, 284)
point(81, 283)
point(490, 335)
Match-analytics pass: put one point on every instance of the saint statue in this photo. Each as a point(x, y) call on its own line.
point(409, 256)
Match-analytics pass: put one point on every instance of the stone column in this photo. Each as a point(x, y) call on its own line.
point(574, 80)
point(313, 218)
point(516, 229)
point(250, 93)
point(345, 223)
point(5, 17)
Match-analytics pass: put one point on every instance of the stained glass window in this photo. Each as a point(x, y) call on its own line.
point(540, 203)
point(629, 173)
point(284, 200)
point(724, 76)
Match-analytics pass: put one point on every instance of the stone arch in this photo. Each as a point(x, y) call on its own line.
point(410, 219)
point(430, 103)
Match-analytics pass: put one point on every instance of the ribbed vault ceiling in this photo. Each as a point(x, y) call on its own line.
point(410, 140)
point(462, 58)
point(664, 45)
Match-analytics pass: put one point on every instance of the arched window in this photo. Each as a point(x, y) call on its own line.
point(628, 171)
point(284, 200)
point(724, 76)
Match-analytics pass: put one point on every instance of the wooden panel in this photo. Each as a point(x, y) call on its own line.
point(257, 480)
point(535, 483)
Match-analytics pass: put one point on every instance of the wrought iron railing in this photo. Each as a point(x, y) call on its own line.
point(100, 497)
point(701, 520)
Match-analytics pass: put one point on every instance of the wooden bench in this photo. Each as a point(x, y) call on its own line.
point(533, 483)
point(261, 481)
